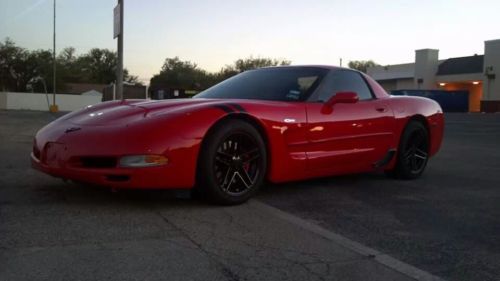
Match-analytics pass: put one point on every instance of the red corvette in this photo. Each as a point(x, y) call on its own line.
point(279, 123)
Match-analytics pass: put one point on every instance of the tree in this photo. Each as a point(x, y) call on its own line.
point(11, 65)
point(132, 79)
point(68, 67)
point(253, 63)
point(362, 65)
point(39, 64)
point(249, 63)
point(97, 66)
point(20, 68)
point(176, 73)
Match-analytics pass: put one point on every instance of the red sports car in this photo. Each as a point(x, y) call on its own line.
point(279, 123)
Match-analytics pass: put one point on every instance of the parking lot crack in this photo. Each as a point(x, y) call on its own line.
point(224, 269)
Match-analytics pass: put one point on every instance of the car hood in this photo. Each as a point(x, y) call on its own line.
point(128, 111)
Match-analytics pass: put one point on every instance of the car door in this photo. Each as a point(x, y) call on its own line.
point(350, 137)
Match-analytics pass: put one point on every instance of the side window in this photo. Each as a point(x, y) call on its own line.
point(344, 81)
point(299, 87)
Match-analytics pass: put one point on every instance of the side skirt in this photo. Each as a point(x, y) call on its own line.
point(387, 158)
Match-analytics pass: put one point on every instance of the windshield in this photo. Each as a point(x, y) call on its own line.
point(277, 84)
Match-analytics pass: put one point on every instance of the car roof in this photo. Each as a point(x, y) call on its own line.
point(329, 67)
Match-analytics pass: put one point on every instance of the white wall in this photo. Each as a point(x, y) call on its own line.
point(405, 84)
point(426, 65)
point(397, 84)
point(389, 85)
point(491, 87)
point(32, 101)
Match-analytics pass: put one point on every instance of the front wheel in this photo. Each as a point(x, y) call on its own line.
point(413, 152)
point(232, 163)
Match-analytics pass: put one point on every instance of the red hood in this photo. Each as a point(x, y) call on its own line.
point(125, 112)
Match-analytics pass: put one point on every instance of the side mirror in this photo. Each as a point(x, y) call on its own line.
point(340, 97)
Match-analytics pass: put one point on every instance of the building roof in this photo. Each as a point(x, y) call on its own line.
point(390, 72)
point(463, 65)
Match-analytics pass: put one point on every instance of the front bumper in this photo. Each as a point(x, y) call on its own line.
point(64, 154)
point(150, 177)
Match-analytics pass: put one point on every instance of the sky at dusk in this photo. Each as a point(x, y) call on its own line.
point(215, 33)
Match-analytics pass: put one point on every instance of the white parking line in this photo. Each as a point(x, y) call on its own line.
point(377, 256)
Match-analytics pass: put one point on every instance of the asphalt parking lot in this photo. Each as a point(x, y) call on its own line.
point(446, 223)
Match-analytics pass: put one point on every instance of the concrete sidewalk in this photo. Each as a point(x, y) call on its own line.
point(50, 230)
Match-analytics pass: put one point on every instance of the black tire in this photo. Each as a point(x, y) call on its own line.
point(232, 163)
point(413, 152)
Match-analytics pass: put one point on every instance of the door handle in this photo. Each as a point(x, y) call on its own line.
point(381, 109)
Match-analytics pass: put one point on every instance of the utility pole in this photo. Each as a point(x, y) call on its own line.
point(340, 62)
point(119, 70)
point(53, 107)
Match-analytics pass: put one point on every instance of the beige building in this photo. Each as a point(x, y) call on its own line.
point(475, 74)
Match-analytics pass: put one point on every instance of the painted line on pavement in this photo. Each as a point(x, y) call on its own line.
point(359, 248)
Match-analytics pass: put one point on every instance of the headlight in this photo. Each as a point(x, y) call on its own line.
point(143, 161)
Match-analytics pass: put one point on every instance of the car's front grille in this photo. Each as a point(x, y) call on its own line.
point(97, 162)
point(118, 178)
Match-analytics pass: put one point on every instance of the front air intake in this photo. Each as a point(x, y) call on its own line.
point(97, 162)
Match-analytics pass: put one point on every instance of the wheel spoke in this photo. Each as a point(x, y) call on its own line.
point(420, 154)
point(245, 178)
point(251, 159)
point(235, 166)
point(223, 161)
point(250, 155)
point(222, 153)
point(414, 164)
point(228, 178)
point(408, 154)
point(223, 158)
point(241, 144)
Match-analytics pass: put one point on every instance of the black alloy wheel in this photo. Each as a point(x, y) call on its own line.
point(237, 164)
point(413, 152)
point(233, 163)
point(416, 153)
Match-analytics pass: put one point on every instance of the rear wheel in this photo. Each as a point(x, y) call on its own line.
point(413, 152)
point(232, 163)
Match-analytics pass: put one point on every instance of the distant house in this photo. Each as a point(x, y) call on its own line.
point(473, 74)
point(93, 93)
point(80, 88)
point(129, 92)
point(162, 91)
point(106, 91)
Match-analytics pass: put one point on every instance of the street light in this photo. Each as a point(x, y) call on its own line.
point(118, 32)
point(54, 107)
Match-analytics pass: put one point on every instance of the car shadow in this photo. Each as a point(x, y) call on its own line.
point(81, 193)
point(343, 182)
